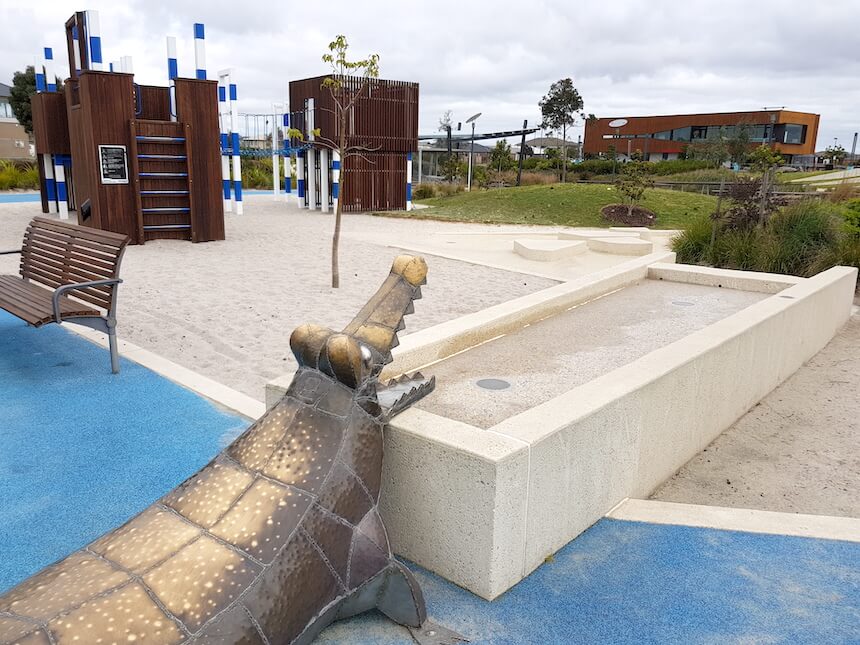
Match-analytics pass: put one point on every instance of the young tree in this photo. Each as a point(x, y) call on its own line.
point(632, 183)
point(559, 109)
point(764, 158)
point(836, 153)
point(738, 144)
point(23, 87)
point(344, 96)
point(500, 157)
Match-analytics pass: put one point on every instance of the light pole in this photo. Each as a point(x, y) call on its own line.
point(471, 120)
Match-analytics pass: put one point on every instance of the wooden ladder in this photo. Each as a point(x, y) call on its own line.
point(161, 166)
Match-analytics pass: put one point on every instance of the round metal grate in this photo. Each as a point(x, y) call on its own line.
point(493, 384)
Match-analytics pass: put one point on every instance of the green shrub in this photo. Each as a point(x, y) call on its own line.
point(801, 239)
point(693, 244)
point(18, 174)
point(423, 191)
point(736, 249)
point(852, 219)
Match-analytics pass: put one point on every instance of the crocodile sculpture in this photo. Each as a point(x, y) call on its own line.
point(275, 538)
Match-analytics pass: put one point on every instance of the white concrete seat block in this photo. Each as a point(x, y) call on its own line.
point(548, 250)
point(633, 231)
point(590, 235)
point(620, 245)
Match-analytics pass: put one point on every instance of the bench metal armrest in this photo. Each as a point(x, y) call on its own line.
point(59, 291)
point(10, 252)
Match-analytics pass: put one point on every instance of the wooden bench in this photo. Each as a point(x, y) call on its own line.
point(68, 273)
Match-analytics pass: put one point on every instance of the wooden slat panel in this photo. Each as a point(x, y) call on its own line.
point(197, 107)
point(105, 237)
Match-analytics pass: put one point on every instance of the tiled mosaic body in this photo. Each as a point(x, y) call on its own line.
point(274, 539)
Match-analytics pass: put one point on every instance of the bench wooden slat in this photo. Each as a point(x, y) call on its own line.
point(90, 294)
point(33, 304)
point(108, 238)
point(67, 272)
point(73, 261)
point(40, 238)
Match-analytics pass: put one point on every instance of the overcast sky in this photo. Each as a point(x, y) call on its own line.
point(627, 58)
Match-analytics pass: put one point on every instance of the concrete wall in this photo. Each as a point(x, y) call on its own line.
point(484, 508)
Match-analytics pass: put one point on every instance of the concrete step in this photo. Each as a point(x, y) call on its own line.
point(548, 250)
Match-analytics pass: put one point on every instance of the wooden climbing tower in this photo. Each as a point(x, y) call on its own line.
point(136, 168)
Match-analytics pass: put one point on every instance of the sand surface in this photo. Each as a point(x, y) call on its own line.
point(797, 451)
point(226, 309)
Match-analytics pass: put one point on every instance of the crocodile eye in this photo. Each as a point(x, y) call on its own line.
point(366, 357)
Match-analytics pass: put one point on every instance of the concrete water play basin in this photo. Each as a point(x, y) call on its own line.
point(607, 384)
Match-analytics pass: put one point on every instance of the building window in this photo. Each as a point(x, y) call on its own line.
point(6, 111)
point(682, 134)
point(794, 133)
point(665, 156)
point(665, 135)
point(698, 132)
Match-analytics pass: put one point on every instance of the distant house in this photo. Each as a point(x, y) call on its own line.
point(14, 140)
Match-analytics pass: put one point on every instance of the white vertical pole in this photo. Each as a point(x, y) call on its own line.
point(409, 181)
point(199, 51)
point(62, 193)
point(288, 161)
point(172, 73)
point(276, 169)
point(39, 66)
point(335, 177)
point(76, 46)
point(311, 156)
point(223, 118)
point(50, 185)
point(312, 179)
point(237, 159)
point(94, 40)
point(50, 74)
point(324, 180)
point(300, 178)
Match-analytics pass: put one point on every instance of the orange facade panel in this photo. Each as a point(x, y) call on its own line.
point(792, 133)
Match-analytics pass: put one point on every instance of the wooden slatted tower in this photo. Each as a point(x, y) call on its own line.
point(136, 168)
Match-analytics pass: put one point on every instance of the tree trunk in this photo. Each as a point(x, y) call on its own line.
point(564, 153)
point(335, 243)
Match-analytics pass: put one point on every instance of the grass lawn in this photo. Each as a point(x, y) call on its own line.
point(558, 204)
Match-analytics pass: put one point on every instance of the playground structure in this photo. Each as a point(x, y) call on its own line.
point(136, 159)
point(383, 123)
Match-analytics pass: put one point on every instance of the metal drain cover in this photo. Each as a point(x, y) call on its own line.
point(493, 384)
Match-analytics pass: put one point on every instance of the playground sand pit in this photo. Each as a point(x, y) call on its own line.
point(502, 377)
point(226, 309)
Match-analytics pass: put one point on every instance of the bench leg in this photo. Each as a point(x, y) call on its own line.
point(114, 353)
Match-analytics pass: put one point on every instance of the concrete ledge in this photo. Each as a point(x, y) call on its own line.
point(548, 250)
point(620, 245)
point(725, 278)
point(822, 527)
point(590, 235)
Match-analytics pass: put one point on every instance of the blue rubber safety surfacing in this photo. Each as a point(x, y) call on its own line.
point(81, 449)
point(631, 582)
point(19, 198)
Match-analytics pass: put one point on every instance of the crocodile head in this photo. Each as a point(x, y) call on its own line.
point(356, 356)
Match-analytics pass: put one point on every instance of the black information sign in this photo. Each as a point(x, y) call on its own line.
point(114, 164)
